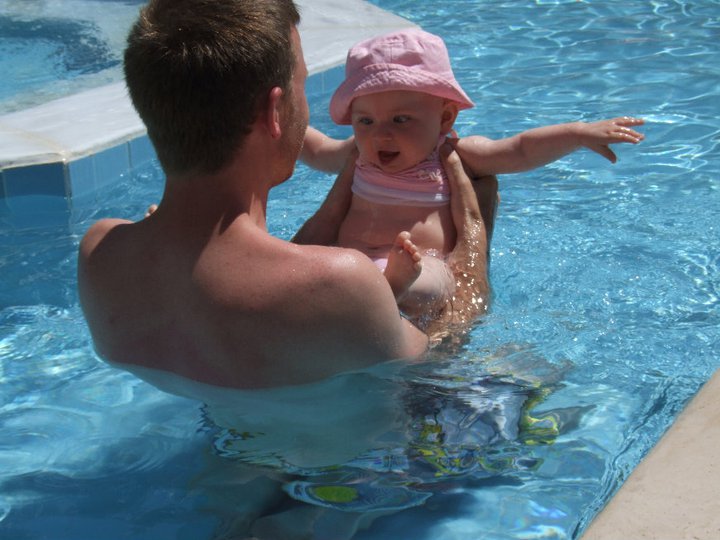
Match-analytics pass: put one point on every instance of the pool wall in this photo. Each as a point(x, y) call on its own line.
point(54, 155)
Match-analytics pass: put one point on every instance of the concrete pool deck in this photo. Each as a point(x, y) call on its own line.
point(93, 120)
point(674, 493)
point(70, 147)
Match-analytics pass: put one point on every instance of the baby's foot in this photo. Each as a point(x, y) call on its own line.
point(404, 265)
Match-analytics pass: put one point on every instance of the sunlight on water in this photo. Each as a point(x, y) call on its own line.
point(603, 321)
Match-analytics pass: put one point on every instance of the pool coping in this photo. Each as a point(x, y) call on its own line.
point(672, 494)
point(71, 147)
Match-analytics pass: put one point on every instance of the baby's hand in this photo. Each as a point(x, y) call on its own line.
point(597, 136)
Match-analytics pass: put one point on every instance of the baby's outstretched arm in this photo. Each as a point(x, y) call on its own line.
point(540, 146)
point(325, 153)
point(597, 136)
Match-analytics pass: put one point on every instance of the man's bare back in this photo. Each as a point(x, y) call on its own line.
point(200, 288)
point(242, 309)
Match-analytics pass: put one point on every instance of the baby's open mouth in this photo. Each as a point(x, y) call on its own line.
point(387, 157)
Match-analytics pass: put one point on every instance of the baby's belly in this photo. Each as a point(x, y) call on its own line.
point(372, 228)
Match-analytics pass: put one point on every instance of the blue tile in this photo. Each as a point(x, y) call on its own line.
point(3, 198)
point(325, 83)
point(47, 179)
point(35, 196)
point(332, 78)
point(2, 184)
point(141, 151)
point(39, 209)
point(110, 164)
point(81, 175)
point(314, 85)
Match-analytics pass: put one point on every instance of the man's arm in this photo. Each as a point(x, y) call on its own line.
point(473, 206)
point(365, 305)
point(323, 226)
point(540, 146)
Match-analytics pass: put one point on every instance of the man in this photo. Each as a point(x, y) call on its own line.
point(200, 288)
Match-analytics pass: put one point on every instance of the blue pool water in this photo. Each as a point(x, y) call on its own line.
point(604, 322)
point(53, 48)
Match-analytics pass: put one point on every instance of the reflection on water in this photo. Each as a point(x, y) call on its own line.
point(383, 440)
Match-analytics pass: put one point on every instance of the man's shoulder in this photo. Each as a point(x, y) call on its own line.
point(341, 267)
point(348, 298)
point(338, 281)
point(97, 233)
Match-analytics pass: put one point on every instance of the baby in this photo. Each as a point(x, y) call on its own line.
point(401, 98)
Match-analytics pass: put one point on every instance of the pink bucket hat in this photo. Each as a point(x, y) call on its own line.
point(411, 59)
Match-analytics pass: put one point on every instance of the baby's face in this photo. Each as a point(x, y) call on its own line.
point(396, 130)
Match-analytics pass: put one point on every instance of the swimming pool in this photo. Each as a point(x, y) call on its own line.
point(77, 44)
point(604, 322)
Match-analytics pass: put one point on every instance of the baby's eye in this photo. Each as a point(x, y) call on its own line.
point(401, 119)
point(364, 120)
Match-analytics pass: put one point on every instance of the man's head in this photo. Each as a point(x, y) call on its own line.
point(199, 71)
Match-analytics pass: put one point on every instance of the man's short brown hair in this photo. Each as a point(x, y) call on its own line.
point(198, 71)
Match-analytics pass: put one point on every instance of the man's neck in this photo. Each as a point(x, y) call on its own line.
point(221, 196)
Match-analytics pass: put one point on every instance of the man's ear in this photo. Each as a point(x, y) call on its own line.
point(272, 112)
point(449, 115)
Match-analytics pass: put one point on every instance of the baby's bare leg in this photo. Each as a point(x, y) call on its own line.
point(404, 265)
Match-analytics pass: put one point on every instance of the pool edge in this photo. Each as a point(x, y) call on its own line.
point(73, 146)
point(672, 493)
